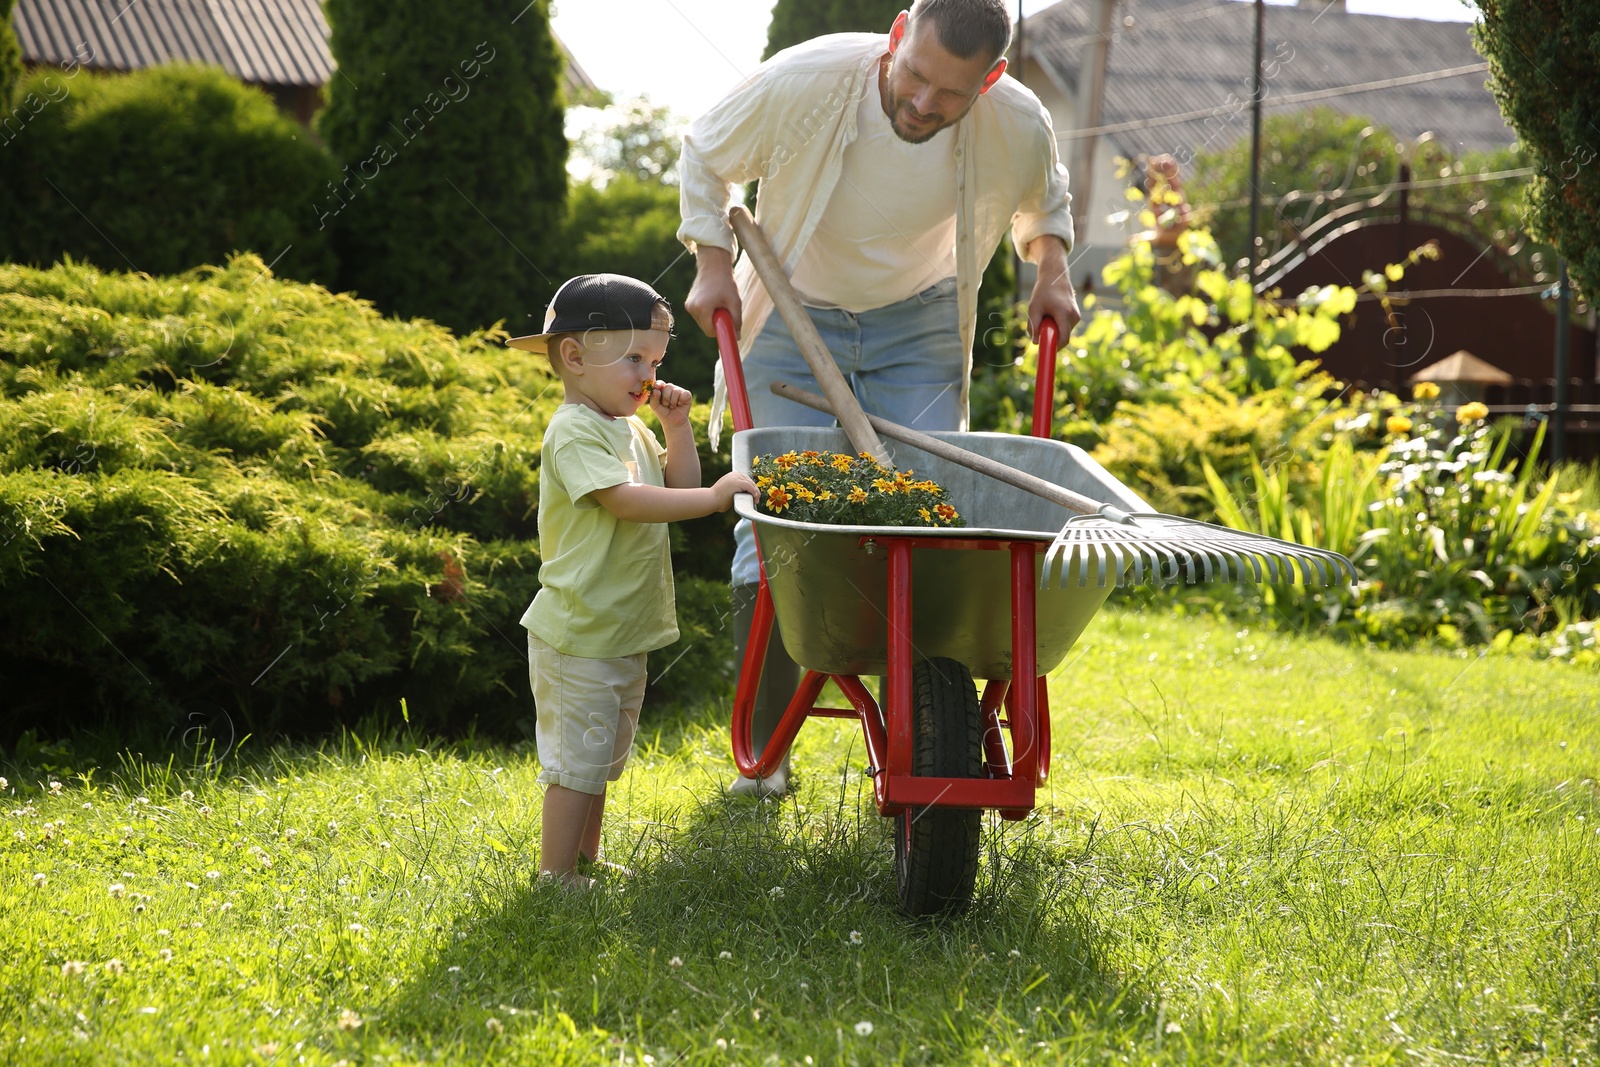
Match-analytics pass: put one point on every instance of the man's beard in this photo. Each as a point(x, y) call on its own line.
point(918, 135)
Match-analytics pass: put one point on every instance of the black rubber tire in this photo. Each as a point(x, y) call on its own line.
point(936, 849)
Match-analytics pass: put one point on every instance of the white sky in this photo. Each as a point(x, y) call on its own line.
point(687, 53)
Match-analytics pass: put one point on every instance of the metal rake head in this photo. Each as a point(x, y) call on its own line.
point(1133, 549)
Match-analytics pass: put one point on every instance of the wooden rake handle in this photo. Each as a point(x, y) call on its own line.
point(944, 450)
point(842, 402)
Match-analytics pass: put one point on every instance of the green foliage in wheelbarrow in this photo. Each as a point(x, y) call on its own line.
point(225, 493)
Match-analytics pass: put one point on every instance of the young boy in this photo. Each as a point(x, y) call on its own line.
point(605, 597)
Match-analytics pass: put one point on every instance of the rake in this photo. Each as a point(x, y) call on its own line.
point(1103, 542)
point(1100, 542)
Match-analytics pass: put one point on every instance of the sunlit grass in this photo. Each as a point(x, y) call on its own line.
point(1251, 849)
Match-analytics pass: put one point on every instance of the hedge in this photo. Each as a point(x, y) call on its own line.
point(222, 491)
point(159, 171)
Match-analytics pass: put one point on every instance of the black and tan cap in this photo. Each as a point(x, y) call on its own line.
point(599, 302)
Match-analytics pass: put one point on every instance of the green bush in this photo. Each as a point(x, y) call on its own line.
point(160, 171)
point(1453, 541)
point(223, 490)
point(446, 121)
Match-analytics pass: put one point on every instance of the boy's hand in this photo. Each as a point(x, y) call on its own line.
point(670, 403)
point(731, 483)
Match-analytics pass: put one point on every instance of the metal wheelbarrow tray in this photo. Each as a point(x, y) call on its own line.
point(830, 583)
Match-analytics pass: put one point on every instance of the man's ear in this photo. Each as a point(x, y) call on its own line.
point(993, 76)
point(898, 30)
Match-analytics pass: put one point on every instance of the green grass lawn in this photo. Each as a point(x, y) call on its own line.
point(1252, 849)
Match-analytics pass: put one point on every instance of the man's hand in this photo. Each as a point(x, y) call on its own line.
point(731, 483)
point(713, 288)
point(670, 403)
point(1052, 289)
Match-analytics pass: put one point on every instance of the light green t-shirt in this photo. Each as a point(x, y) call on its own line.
point(605, 585)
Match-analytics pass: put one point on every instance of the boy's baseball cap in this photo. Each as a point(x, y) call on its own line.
point(599, 302)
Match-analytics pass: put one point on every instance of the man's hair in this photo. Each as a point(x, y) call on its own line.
point(967, 28)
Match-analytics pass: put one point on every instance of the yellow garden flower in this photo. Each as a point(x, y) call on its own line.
point(787, 460)
point(777, 500)
point(802, 493)
point(946, 512)
point(883, 485)
point(926, 516)
point(763, 481)
point(1398, 424)
point(1425, 391)
point(857, 495)
point(1473, 412)
point(841, 462)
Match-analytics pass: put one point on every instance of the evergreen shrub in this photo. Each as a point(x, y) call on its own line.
point(160, 171)
point(224, 493)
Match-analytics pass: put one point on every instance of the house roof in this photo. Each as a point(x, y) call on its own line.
point(1192, 58)
point(265, 42)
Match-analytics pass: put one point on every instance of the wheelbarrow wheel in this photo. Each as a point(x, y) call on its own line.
point(936, 849)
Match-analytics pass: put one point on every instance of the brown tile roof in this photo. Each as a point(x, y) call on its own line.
point(1179, 57)
point(265, 42)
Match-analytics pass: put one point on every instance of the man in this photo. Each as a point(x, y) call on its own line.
point(884, 222)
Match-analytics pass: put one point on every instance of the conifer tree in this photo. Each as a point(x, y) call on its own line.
point(794, 21)
point(1544, 69)
point(447, 122)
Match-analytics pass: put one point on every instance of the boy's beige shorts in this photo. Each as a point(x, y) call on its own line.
point(588, 711)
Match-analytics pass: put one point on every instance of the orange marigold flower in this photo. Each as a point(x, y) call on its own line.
point(777, 499)
point(787, 460)
point(946, 512)
point(857, 495)
point(808, 456)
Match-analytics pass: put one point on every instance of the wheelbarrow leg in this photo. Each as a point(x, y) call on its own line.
point(767, 680)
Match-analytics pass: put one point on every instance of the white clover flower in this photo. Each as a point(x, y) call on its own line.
point(863, 1028)
point(187, 794)
point(1174, 1028)
point(855, 937)
point(724, 955)
point(227, 905)
point(72, 968)
point(115, 967)
point(39, 880)
point(205, 809)
point(494, 1026)
point(4, 785)
point(1014, 954)
point(213, 874)
point(357, 927)
point(141, 800)
point(676, 961)
point(166, 955)
point(349, 1020)
point(776, 891)
point(722, 1043)
point(55, 788)
point(118, 890)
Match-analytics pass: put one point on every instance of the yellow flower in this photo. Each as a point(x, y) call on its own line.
point(777, 500)
point(841, 462)
point(1473, 412)
point(802, 493)
point(1425, 391)
point(857, 495)
point(946, 512)
point(1398, 424)
point(787, 460)
point(826, 494)
point(808, 456)
point(883, 485)
point(925, 516)
point(763, 481)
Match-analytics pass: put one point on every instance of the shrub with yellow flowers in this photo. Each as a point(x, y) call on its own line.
point(844, 490)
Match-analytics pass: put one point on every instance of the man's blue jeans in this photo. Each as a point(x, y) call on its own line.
point(904, 362)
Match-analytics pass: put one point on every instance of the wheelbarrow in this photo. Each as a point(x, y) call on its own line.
point(930, 611)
